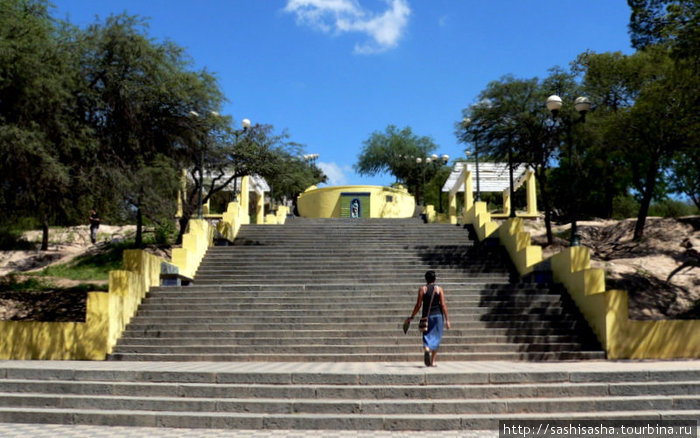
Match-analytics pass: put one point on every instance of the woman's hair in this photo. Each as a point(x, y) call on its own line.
point(430, 276)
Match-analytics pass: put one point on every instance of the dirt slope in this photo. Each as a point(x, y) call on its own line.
point(641, 267)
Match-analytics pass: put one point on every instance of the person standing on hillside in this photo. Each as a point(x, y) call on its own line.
point(94, 225)
point(432, 298)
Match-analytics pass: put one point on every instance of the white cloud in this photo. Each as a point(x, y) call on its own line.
point(336, 174)
point(347, 16)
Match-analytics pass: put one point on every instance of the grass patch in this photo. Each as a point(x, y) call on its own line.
point(90, 266)
point(13, 283)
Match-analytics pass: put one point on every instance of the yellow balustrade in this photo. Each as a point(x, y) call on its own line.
point(607, 311)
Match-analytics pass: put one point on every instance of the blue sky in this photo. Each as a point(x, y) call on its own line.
point(331, 72)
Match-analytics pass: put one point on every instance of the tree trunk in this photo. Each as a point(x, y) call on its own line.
point(609, 200)
point(647, 195)
point(45, 235)
point(139, 228)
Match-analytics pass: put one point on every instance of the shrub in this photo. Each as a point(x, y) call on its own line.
point(625, 206)
point(671, 208)
point(165, 233)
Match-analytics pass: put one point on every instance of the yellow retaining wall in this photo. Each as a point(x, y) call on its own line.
point(607, 311)
point(480, 219)
point(106, 316)
point(278, 218)
point(194, 246)
point(524, 255)
point(325, 202)
point(232, 219)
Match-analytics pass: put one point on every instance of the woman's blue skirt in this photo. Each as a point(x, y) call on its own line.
point(433, 336)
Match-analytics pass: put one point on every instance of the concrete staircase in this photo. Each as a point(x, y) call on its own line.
point(339, 290)
point(298, 327)
point(348, 396)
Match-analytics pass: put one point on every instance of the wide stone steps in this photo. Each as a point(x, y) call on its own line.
point(339, 291)
point(350, 407)
point(292, 302)
point(358, 356)
point(336, 338)
point(352, 397)
point(332, 295)
point(351, 277)
point(161, 334)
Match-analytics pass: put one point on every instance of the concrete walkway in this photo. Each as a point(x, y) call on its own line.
point(364, 371)
point(359, 368)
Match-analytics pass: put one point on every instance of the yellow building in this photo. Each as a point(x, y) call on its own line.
point(356, 201)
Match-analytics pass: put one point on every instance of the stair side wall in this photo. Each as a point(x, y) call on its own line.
point(606, 311)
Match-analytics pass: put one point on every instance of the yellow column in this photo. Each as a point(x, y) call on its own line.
point(453, 207)
point(181, 193)
point(531, 194)
point(245, 193)
point(468, 191)
point(260, 209)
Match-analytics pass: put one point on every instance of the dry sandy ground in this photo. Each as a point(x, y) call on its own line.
point(639, 267)
point(64, 245)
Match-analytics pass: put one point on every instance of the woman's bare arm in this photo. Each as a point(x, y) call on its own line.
point(419, 301)
point(443, 306)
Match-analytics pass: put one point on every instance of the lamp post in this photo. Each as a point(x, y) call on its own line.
point(466, 123)
point(582, 105)
point(510, 178)
point(245, 124)
point(443, 160)
point(419, 160)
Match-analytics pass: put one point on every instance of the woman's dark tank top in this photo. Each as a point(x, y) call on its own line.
point(435, 308)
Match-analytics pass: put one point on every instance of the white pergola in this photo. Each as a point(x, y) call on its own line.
point(493, 177)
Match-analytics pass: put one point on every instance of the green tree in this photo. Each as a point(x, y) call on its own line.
point(43, 144)
point(227, 155)
point(612, 81)
point(510, 123)
point(666, 22)
point(395, 152)
point(296, 174)
point(653, 135)
point(671, 26)
point(137, 95)
point(685, 177)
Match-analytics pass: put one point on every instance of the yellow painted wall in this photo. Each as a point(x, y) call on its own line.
point(524, 255)
point(106, 316)
point(325, 202)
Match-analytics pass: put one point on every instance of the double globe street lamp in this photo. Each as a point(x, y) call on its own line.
point(582, 105)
